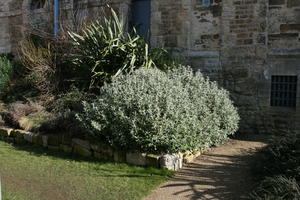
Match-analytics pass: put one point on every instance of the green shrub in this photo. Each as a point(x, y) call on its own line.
point(277, 188)
point(285, 152)
point(279, 169)
point(150, 110)
point(6, 70)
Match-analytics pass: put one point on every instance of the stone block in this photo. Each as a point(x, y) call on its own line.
point(66, 140)
point(80, 142)
point(82, 151)
point(152, 160)
point(19, 140)
point(103, 151)
point(119, 156)
point(53, 148)
point(66, 148)
point(102, 156)
point(81, 147)
point(170, 162)
point(54, 140)
point(37, 139)
point(32, 138)
point(136, 158)
point(45, 140)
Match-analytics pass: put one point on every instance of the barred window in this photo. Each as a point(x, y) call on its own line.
point(284, 91)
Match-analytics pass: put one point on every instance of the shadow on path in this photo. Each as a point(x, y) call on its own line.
point(223, 173)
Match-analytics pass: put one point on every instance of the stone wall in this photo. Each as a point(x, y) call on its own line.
point(18, 15)
point(241, 44)
point(98, 150)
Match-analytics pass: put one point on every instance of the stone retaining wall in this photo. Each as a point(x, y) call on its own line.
point(99, 151)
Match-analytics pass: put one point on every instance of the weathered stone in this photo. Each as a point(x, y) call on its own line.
point(82, 151)
point(170, 162)
point(29, 137)
point(102, 156)
point(66, 140)
point(80, 142)
point(119, 156)
point(45, 140)
point(66, 148)
point(103, 151)
point(37, 139)
point(136, 158)
point(152, 160)
point(54, 140)
point(53, 148)
point(81, 147)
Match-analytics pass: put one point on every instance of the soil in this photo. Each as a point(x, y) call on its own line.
point(224, 173)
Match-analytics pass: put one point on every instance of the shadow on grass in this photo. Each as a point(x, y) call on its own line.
point(118, 169)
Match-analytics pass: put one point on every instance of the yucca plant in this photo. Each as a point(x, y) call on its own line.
point(106, 49)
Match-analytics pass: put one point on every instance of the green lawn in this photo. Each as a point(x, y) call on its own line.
point(31, 173)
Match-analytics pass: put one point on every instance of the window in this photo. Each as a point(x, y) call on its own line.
point(284, 91)
point(37, 4)
point(206, 3)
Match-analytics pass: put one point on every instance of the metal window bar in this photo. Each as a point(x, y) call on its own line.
point(284, 91)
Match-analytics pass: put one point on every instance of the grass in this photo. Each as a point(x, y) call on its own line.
point(32, 173)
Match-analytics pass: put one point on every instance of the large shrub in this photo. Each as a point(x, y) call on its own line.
point(6, 70)
point(155, 111)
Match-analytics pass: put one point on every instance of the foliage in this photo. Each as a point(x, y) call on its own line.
point(153, 111)
point(29, 116)
point(39, 59)
point(105, 49)
point(71, 100)
point(6, 69)
point(280, 169)
point(34, 121)
point(285, 152)
point(163, 59)
point(277, 188)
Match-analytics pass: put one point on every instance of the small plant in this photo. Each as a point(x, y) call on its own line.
point(40, 60)
point(6, 70)
point(28, 116)
point(153, 111)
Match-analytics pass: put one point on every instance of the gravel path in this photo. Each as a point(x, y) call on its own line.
point(221, 174)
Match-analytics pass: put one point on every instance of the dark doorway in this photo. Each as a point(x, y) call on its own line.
point(140, 17)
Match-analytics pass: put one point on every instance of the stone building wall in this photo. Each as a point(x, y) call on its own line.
point(239, 43)
point(18, 15)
